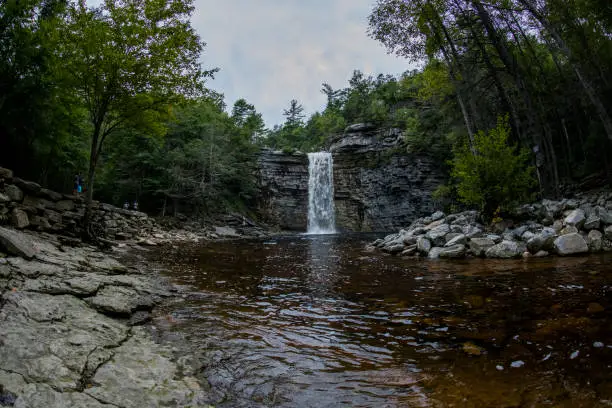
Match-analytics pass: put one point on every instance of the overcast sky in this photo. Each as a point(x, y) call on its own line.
point(272, 51)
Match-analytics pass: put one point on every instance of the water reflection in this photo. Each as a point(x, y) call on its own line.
point(316, 321)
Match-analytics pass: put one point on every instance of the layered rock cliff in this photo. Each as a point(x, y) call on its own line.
point(378, 185)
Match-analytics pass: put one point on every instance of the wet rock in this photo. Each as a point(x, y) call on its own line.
point(394, 248)
point(494, 237)
point(595, 241)
point(453, 252)
point(409, 240)
point(542, 241)
point(14, 193)
point(474, 301)
point(541, 254)
point(434, 253)
point(226, 232)
point(527, 235)
point(120, 300)
point(436, 235)
point(423, 245)
point(459, 239)
point(19, 218)
point(472, 349)
point(576, 218)
point(592, 223)
point(505, 250)
point(570, 244)
point(16, 243)
point(595, 308)
point(139, 318)
point(479, 246)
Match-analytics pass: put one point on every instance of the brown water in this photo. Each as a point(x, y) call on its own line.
point(316, 321)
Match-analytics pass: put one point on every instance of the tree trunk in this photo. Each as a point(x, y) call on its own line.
point(588, 88)
point(93, 161)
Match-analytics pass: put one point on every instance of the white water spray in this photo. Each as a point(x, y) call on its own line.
point(321, 213)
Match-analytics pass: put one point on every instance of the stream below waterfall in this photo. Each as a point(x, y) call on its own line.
point(316, 321)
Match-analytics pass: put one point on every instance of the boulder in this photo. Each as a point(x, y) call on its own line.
point(65, 205)
point(557, 226)
point(608, 233)
point(19, 218)
point(576, 218)
point(595, 241)
point(409, 250)
point(14, 193)
point(4, 198)
point(51, 195)
point(543, 240)
point(457, 240)
point(394, 248)
point(438, 215)
point(435, 253)
point(570, 229)
point(230, 232)
point(453, 252)
point(29, 187)
point(423, 245)
point(570, 244)
point(505, 250)
point(592, 223)
point(604, 215)
point(478, 246)
point(437, 234)
point(5, 173)
point(16, 243)
point(540, 254)
point(527, 235)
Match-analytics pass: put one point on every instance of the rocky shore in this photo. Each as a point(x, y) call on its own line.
point(72, 330)
point(574, 226)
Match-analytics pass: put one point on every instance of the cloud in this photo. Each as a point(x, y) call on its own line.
point(272, 51)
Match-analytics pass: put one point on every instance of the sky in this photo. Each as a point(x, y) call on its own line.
point(272, 51)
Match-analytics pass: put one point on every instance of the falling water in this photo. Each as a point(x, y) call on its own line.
point(321, 216)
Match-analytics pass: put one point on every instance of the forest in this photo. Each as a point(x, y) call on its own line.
point(513, 97)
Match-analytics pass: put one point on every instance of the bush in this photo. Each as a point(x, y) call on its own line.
point(493, 174)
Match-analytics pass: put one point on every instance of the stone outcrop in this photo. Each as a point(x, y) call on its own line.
point(567, 227)
point(283, 183)
point(69, 334)
point(378, 184)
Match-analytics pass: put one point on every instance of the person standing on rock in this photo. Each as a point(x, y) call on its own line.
point(77, 185)
point(126, 205)
point(135, 205)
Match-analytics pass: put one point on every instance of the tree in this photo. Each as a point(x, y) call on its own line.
point(128, 60)
point(492, 173)
point(294, 115)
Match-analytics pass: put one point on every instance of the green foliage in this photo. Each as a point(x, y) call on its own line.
point(492, 173)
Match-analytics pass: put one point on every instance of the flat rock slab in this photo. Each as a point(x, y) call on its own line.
point(16, 243)
point(120, 300)
point(142, 365)
point(50, 339)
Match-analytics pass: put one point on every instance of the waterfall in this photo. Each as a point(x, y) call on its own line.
point(321, 213)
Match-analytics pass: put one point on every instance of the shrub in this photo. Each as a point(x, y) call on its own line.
point(492, 173)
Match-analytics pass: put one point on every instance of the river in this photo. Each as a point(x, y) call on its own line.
point(317, 321)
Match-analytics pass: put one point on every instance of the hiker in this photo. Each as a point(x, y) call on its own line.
point(77, 185)
point(135, 205)
point(126, 205)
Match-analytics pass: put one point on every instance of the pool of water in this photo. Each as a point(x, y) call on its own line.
point(317, 321)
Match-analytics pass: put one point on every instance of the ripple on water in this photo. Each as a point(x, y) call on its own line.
point(316, 322)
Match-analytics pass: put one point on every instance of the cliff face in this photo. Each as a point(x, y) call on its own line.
point(283, 182)
point(378, 186)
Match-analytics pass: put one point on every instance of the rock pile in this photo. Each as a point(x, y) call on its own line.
point(26, 205)
point(567, 227)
